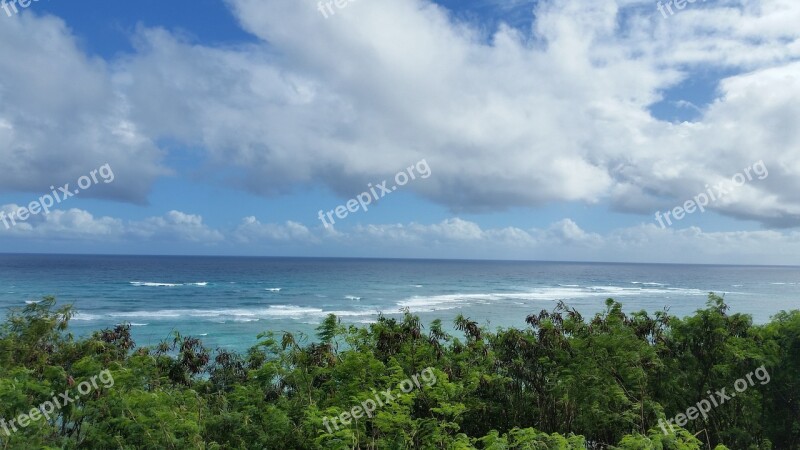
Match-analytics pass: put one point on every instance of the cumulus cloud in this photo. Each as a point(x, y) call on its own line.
point(175, 225)
point(67, 224)
point(78, 224)
point(60, 115)
point(560, 112)
point(557, 112)
point(251, 230)
point(564, 240)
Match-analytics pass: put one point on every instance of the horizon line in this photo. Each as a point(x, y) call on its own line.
point(399, 259)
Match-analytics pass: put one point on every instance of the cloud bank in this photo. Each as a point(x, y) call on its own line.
point(558, 111)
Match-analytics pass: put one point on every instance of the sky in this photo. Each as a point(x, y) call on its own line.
point(619, 130)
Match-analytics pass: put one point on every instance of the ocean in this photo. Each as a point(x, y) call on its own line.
point(228, 301)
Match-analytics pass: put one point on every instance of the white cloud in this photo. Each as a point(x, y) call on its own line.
point(79, 224)
point(568, 232)
point(563, 240)
point(175, 225)
point(61, 117)
point(566, 240)
point(518, 120)
point(67, 224)
point(512, 119)
point(253, 231)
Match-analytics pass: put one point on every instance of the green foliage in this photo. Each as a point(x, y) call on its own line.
point(657, 440)
point(562, 382)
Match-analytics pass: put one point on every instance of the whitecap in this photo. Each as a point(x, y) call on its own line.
point(431, 303)
point(158, 284)
point(85, 317)
point(153, 284)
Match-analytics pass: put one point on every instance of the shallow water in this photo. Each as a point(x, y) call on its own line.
point(229, 301)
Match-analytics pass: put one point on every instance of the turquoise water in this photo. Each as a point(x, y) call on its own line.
point(229, 301)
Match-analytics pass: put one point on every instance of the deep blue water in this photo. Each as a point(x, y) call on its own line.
point(229, 301)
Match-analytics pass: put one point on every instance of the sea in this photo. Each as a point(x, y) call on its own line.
point(229, 301)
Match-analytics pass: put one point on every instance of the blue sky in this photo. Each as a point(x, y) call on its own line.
point(553, 130)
